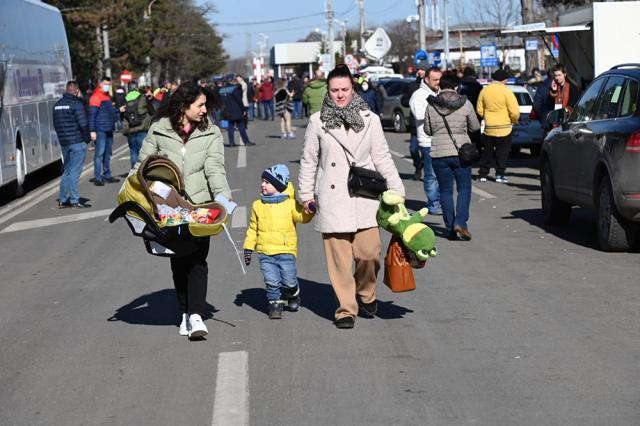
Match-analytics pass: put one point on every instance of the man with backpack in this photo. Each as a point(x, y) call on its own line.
point(137, 113)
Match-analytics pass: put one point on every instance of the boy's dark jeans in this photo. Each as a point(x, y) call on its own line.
point(498, 147)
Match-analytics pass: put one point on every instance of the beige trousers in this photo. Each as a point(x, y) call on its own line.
point(341, 250)
point(285, 123)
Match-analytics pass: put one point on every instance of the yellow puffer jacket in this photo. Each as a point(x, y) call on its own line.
point(273, 226)
point(499, 107)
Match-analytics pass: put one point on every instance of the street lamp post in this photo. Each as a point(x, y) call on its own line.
point(421, 41)
point(146, 17)
point(343, 35)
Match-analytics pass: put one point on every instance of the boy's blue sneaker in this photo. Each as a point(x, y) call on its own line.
point(293, 302)
point(275, 309)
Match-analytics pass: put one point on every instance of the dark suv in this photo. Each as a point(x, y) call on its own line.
point(592, 159)
point(394, 114)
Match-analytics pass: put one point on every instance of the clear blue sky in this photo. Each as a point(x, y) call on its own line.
point(377, 12)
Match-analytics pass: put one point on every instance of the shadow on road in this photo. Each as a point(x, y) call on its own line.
point(254, 297)
point(580, 231)
point(157, 308)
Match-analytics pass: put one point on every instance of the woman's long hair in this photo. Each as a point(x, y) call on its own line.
point(180, 101)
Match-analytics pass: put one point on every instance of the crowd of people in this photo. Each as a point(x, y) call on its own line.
point(343, 129)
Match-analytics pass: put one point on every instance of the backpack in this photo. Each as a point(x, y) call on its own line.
point(132, 115)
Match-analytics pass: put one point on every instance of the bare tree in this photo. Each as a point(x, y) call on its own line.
point(404, 40)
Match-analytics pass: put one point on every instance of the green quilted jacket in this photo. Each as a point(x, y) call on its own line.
point(201, 158)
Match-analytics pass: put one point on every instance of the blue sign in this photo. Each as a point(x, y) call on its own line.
point(555, 52)
point(488, 55)
point(420, 56)
point(435, 58)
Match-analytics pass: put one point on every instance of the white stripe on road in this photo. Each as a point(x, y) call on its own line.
point(242, 157)
point(231, 403)
point(478, 192)
point(481, 193)
point(39, 223)
point(17, 207)
point(239, 218)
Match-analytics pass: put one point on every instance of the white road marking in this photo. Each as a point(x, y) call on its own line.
point(239, 218)
point(231, 403)
point(242, 157)
point(50, 221)
point(481, 193)
point(478, 192)
point(17, 207)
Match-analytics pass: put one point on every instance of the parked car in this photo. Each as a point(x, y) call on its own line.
point(592, 159)
point(528, 132)
point(394, 114)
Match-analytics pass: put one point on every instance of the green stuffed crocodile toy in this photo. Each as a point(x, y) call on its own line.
point(394, 217)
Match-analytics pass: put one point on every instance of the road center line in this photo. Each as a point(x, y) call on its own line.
point(231, 403)
point(239, 217)
point(50, 221)
point(477, 191)
point(17, 207)
point(242, 157)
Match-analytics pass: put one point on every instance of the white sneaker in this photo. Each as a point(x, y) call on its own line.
point(184, 326)
point(198, 329)
point(291, 135)
point(483, 179)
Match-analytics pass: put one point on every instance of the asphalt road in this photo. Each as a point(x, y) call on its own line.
point(521, 326)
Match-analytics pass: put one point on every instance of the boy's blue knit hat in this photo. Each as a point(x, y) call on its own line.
point(278, 176)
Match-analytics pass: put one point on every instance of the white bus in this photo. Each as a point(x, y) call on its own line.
point(34, 68)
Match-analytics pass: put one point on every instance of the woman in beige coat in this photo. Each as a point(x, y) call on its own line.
point(344, 132)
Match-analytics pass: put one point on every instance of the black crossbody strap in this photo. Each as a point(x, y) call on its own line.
point(446, 124)
point(351, 163)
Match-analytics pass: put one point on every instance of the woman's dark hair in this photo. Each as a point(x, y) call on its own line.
point(449, 81)
point(180, 101)
point(341, 70)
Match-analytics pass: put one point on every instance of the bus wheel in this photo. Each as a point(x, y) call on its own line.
point(20, 172)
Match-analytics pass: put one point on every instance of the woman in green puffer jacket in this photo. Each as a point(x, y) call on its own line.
point(183, 133)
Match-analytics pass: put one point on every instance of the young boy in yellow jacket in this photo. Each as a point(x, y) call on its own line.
point(272, 233)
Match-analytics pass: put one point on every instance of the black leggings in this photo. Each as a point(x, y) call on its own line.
point(494, 147)
point(190, 275)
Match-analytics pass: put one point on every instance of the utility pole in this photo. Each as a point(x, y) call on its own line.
point(107, 55)
point(99, 40)
point(361, 7)
point(422, 24)
point(446, 34)
point(332, 53)
point(531, 56)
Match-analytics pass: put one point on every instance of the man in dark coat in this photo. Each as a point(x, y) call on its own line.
point(234, 112)
point(72, 127)
point(470, 88)
point(414, 150)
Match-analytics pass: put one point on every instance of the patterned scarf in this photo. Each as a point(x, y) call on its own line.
point(333, 117)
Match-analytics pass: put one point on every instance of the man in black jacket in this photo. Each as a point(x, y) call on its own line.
point(72, 128)
point(234, 112)
point(470, 88)
point(414, 150)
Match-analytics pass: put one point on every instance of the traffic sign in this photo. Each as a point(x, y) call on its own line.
point(378, 44)
point(349, 59)
point(420, 56)
point(126, 77)
point(435, 58)
point(489, 55)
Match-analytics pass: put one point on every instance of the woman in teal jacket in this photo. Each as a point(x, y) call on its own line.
point(183, 133)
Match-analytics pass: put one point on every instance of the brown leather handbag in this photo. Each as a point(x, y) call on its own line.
point(398, 274)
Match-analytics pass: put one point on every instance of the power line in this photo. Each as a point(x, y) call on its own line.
point(275, 21)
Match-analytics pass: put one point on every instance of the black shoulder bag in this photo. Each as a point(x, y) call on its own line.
point(467, 153)
point(363, 182)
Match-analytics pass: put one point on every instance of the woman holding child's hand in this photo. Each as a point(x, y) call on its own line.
point(346, 131)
